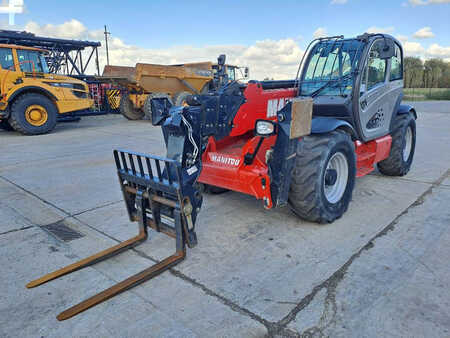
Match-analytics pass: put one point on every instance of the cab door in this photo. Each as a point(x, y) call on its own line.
point(377, 95)
point(8, 72)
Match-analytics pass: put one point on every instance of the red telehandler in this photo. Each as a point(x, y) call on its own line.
point(299, 143)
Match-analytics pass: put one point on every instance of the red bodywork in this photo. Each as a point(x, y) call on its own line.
point(223, 161)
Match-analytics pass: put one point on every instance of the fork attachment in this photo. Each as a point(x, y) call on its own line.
point(158, 194)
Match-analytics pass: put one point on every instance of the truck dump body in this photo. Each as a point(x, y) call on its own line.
point(120, 72)
point(173, 79)
point(149, 78)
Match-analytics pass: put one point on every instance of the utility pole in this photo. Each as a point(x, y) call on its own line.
point(106, 43)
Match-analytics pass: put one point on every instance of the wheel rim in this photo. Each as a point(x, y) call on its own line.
point(335, 178)
point(36, 115)
point(408, 144)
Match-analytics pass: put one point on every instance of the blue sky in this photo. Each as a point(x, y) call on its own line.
point(164, 25)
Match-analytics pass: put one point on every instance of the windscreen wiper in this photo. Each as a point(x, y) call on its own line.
point(328, 83)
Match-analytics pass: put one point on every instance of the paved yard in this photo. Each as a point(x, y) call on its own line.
point(381, 270)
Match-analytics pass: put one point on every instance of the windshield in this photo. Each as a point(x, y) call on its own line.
point(231, 73)
point(330, 68)
point(31, 60)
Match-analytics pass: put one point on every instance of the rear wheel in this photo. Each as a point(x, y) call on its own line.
point(148, 103)
point(33, 114)
point(127, 109)
point(403, 146)
point(179, 99)
point(323, 177)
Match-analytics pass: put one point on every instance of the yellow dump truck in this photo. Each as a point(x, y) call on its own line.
point(146, 81)
point(30, 97)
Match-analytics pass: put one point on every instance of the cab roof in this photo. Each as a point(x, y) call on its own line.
point(7, 45)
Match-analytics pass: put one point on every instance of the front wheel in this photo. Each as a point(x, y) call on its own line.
point(33, 114)
point(323, 177)
point(179, 99)
point(403, 146)
point(128, 110)
point(148, 103)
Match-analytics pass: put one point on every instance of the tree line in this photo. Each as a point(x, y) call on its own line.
point(433, 73)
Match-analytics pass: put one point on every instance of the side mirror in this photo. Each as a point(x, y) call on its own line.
point(265, 128)
point(246, 72)
point(221, 60)
point(160, 110)
point(387, 49)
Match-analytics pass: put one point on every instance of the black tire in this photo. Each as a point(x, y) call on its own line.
point(307, 196)
point(148, 106)
point(18, 119)
point(396, 164)
point(127, 109)
point(179, 99)
point(212, 189)
point(4, 124)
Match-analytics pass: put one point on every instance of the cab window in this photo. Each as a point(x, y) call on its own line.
point(231, 74)
point(31, 60)
point(6, 58)
point(396, 65)
point(376, 66)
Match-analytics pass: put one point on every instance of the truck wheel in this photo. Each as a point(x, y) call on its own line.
point(323, 177)
point(127, 109)
point(4, 124)
point(403, 145)
point(33, 114)
point(148, 105)
point(179, 99)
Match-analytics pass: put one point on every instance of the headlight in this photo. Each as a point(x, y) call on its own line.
point(67, 85)
point(60, 84)
point(264, 128)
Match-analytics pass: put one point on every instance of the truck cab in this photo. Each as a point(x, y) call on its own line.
point(30, 97)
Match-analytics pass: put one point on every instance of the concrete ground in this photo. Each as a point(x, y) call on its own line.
point(381, 270)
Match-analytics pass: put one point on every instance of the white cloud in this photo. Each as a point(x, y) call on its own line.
point(413, 48)
point(418, 2)
point(438, 51)
point(72, 29)
point(338, 2)
point(374, 29)
point(320, 32)
point(402, 38)
point(266, 58)
point(424, 33)
point(427, 2)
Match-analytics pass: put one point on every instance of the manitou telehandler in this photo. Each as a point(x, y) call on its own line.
point(299, 143)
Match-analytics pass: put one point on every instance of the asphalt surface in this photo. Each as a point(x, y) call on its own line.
point(381, 270)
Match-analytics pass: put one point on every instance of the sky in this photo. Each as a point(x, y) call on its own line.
point(268, 36)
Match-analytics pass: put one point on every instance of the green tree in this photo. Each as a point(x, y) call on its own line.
point(413, 72)
point(436, 70)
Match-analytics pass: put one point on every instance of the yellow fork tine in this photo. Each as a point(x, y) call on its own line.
point(98, 257)
point(126, 284)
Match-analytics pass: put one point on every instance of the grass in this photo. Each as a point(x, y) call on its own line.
point(422, 94)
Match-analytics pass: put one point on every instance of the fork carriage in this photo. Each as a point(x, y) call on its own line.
point(151, 187)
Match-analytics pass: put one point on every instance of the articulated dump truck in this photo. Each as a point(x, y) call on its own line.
point(144, 82)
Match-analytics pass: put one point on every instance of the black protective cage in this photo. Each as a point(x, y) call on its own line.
point(64, 56)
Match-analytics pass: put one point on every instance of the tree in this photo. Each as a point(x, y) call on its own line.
point(413, 72)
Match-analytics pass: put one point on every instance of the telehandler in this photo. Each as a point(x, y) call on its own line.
point(31, 98)
point(299, 143)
